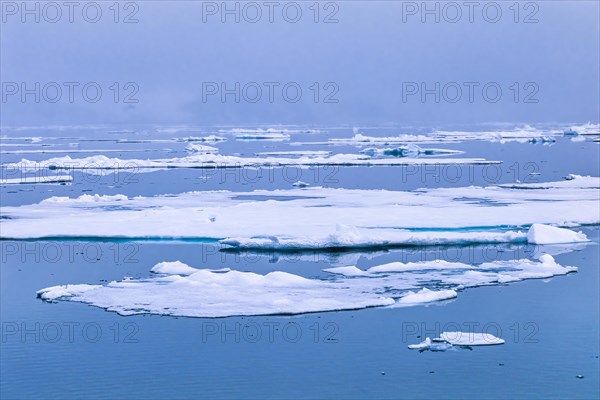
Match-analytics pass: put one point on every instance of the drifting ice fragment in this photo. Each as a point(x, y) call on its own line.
point(432, 345)
point(546, 234)
point(449, 339)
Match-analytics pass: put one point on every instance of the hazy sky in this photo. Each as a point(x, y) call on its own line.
point(374, 58)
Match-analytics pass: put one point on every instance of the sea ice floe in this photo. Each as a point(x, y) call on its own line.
point(262, 131)
point(447, 340)
point(262, 136)
point(180, 290)
point(585, 129)
point(314, 217)
point(210, 294)
point(361, 140)
point(410, 150)
point(201, 148)
point(346, 237)
point(98, 163)
point(521, 135)
point(208, 139)
point(299, 153)
point(33, 180)
point(570, 181)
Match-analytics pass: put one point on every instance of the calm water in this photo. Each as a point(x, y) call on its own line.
point(551, 327)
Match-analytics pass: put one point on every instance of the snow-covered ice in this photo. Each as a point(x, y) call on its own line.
point(101, 162)
point(180, 290)
point(314, 217)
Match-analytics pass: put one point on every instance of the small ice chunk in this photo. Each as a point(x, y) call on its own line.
point(470, 338)
point(423, 345)
point(433, 345)
point(173, 268)
point(300, 184)
point(201, 148)
point(546, 234)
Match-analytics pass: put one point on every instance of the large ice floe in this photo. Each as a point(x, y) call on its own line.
point(206, 159)
point(179, 290)
point(320, 218)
